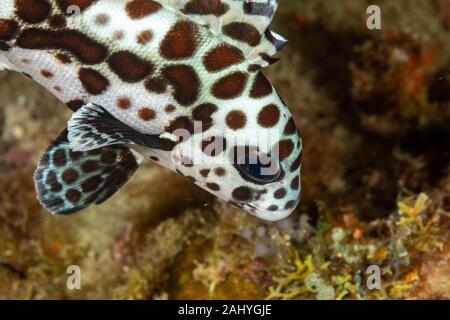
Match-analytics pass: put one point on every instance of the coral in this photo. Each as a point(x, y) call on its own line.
point(392, 83)
point(337, 258)
point(34, 251)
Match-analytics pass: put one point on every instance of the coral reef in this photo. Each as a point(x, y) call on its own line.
point(373, 107)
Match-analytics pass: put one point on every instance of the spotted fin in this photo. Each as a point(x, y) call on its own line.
point(67, 181)
point(242, 23)
point(92, 127)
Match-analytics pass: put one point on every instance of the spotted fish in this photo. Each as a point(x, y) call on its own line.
point(174, 81)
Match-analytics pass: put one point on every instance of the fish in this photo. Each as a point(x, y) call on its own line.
point(177, 82)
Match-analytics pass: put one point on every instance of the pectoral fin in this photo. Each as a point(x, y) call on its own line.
point(93, 127)
point(67, 181)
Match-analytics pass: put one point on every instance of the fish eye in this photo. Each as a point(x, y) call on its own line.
point(260, 168)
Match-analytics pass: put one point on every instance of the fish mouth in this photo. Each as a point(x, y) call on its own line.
point(271, 216)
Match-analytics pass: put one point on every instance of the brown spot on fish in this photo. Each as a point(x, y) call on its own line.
point(203, 114)
point(73, 195)
point(123, 103)
point(108, 157)
point(52, 181)
point(253, 67)
point(144, 37)
point(283, 149)
point(243, 194)
point(261, 87)
point(230, 86)
point(82, 47)
point(180, 123)
point(169, 108)
point(57, 21)
point(46, 74)
point(118, 35)
point(185, 81)
point(93, 81)
point(76, 104)
point(205, 172)
point(269, 116)
point(220, 172)
point(91, 184)
point(146, 114)
point(156, 85)
point(180, 42)
point(290, 204)
point(69, 176)
point(137, 9)
point(59, 158)
point(296, 164)
point(201, 7)
point(295, 183)
point(89, 166)
point(7, 29)
point(280, 193)
point(32, 11)
point(242, 31)
point(129, 67)
point(222, 57)
point(63, 58)
point(290, 127)
point(213, 186)
point(236, 119)
point(101, 19)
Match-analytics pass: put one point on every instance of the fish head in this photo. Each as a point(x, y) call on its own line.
point(249, 155)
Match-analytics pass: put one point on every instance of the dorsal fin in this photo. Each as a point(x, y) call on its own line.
point(242, 23)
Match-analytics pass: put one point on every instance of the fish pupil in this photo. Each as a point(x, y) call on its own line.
point(259, 171)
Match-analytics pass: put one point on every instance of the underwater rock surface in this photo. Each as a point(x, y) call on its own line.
point(374, 108)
